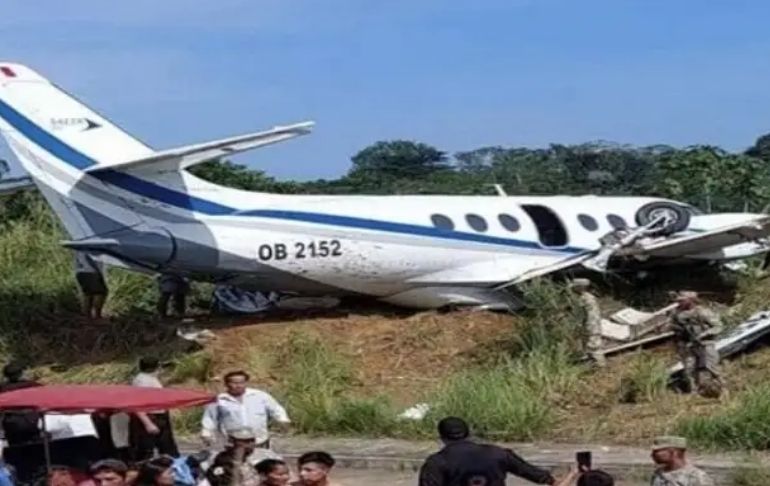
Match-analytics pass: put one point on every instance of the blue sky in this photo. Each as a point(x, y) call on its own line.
point(456, 74)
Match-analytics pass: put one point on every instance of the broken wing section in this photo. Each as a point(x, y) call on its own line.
point(731, 241)
point(509, 270)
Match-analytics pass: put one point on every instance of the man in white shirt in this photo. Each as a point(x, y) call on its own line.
point(242, 407)
point(150, 431)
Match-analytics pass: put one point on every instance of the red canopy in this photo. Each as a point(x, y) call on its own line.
point(104, 398)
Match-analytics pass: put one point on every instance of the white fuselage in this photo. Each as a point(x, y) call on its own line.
point(422, 251)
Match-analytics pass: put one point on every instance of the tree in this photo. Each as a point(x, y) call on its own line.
point(397, 159)
point(761, 148)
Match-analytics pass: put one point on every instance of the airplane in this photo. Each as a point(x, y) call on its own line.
point(133, 206)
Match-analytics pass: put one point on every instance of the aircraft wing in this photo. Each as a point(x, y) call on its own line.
point(541, 270)
point(186, 156)
point(702, 243)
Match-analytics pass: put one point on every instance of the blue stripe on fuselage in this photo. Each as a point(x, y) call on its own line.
point(148, 189)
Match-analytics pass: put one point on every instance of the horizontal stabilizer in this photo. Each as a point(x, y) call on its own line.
point(91, 244)
point(182, 157)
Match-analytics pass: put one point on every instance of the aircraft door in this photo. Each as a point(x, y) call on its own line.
point(550, 229)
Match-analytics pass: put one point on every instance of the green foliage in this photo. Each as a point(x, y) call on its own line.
point(742, 425)
point(554, 319)
point(645, 380)
point(751, 474)
point(705, 176)
point(397, 159)
point(194, 367)
point(318, 396)
point(187, 422)
point(509, 401)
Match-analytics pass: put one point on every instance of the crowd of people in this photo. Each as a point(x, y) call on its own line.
point(140, 449)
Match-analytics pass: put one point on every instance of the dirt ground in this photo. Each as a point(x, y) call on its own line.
point(396, 354)
point(401, 355)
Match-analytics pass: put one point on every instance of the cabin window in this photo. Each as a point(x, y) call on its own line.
point(509, 222)
point(588, 222)
point(616, 221)
point(442, 222)
point(550, 230)
point(476, 222)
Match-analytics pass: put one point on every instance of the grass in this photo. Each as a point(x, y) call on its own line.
point(751, 474)
point(495, 402)
point(193, 367)
point(743, 424)
point(318, 392)
point(645, 380)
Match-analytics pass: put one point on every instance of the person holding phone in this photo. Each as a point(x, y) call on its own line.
point(581, 473)
point(463, 462)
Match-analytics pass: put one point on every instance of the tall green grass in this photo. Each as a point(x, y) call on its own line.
point(743, 424)
point(645, 380)
point(552, 321)
point(318, 392)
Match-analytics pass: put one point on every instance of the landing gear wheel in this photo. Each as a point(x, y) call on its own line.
point(676, 217)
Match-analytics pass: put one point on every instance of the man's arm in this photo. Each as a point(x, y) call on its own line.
point(519, 467)
point(209, 423)
point(148, 424)
point(714, 323)
point(431, 472)
point(276, 411)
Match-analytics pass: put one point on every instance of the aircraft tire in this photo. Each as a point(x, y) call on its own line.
point(680, 216)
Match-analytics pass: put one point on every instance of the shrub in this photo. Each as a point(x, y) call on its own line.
point(552, 321)
point(742, 425)
point(511, 400)
point(317, 392)
point(645, 380)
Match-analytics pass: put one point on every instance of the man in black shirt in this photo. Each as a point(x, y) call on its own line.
point(464, 463)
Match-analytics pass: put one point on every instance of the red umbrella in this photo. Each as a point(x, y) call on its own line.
point(70, 399)
point(74, 399)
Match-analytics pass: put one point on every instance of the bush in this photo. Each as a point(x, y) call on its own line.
point(743, 425)
point(553, 320)
point(751, 475)
point(192, 367)
point(645, 380)
point(512, 400)
point(317, 392)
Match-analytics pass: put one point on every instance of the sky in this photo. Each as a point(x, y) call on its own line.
point(457, 74)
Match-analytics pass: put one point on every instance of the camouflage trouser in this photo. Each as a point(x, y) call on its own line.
point(701, 366)
point(594, 342)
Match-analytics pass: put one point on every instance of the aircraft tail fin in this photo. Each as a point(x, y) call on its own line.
point(55, 137)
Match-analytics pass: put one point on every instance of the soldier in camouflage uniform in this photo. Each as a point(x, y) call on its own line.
point(695, 328)
point(673, 468)
point(592, 323)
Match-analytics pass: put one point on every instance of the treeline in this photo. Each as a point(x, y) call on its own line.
point(703, 175)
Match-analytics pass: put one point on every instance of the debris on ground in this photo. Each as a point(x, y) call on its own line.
point(199, 336)
point(417, 412)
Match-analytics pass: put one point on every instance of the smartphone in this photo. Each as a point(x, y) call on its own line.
point(583, 459)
